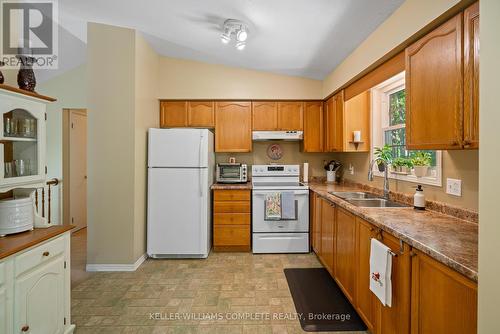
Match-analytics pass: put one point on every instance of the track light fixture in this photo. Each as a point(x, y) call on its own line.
point(235, 29)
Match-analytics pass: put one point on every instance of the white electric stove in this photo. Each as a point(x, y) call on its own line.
point(279, 235)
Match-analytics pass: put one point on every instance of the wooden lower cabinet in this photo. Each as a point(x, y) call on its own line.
point(396, 319)
point(345, 252)
point(327, 235)
point(232, 219)
point(427, 296)
point(316, 222)
point(365, 301)
point(442, 300)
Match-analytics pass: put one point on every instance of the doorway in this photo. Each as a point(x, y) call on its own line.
point(75, 168)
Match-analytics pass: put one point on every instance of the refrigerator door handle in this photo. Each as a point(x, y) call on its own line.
point(199, 164)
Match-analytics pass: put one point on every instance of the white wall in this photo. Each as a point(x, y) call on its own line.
point(489, 181)
point(409, 18)
point(70, 90)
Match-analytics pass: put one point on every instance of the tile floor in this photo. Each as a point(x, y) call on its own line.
point(225, 285)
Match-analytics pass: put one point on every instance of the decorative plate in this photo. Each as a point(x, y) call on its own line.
point(274, 152)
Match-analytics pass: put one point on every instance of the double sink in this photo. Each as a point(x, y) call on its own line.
point(366, 200)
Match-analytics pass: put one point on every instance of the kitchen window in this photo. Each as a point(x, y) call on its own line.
point(389, 127)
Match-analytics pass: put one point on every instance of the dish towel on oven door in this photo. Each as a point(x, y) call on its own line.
point(288, 205)
point(273, 206)
point(380, 271)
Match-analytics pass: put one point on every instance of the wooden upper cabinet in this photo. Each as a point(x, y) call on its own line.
point(345, 252)
point(334, 123)
point(201, 114)
point(434, 88)
point(313, 127)
point(264, 116)
point(471, 76)
point(173, 114)
point(357, 112)
point(442, 300)
point(290, 116)
point(233, 126)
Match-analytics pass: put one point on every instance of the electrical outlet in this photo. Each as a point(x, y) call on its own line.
point(351, 169)
point(454, 187)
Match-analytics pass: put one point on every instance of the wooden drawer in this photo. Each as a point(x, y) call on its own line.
point(231, 235)
point(232, 207)
point(231, 219)
point(232, 195)
point(40, 254)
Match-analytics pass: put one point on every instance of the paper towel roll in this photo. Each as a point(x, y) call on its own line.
point(305, 176)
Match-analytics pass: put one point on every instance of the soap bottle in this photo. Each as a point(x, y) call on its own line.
point(419, 199)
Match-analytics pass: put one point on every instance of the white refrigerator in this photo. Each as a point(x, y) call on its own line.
point(180, 173)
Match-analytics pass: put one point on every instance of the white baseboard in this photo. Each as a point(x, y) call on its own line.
point(117, 267)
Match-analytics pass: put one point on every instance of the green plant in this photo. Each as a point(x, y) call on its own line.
point(383, 154)
point(421, 159)
point(399, 162)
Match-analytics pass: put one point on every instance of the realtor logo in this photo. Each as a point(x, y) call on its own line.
point(29, 28)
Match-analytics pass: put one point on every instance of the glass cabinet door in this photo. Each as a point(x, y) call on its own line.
point(20, 144)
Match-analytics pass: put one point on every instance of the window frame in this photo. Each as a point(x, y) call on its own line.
point(380, 123)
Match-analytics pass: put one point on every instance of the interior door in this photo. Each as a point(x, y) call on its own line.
point(39, 299)
point(78, 169)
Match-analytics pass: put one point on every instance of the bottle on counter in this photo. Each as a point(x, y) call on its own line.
point(419, 198)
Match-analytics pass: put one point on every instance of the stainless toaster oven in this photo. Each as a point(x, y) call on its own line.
point(231, 173)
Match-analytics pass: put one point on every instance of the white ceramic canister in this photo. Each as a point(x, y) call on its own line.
point(16, 215)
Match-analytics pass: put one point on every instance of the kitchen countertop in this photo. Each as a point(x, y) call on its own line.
point(14, 243)
point(232, 186)
point(449, 240)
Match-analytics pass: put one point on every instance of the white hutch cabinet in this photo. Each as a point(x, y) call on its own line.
point(35, 281)
point(22, 141)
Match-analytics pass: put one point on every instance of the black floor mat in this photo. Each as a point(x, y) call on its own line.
point(320, 303)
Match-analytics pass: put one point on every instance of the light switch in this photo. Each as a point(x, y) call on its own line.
point(454, 187)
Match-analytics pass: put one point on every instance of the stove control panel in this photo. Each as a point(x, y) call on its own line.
point(275, 170)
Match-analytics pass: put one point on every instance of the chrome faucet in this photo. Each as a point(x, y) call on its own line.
point(386, 176)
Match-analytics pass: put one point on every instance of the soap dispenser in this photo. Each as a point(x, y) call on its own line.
point(419, 199)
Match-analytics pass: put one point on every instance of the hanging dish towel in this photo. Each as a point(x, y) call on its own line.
point(288, 205)
point(380, 271)
point(273, 206)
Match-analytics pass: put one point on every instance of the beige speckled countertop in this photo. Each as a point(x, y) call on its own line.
point(451, 241)
point(232, 186)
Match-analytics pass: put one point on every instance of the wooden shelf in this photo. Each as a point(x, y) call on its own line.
point(27, 93)
point(19, 139)
point(356, 143)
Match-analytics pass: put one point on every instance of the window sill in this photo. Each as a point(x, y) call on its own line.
point(428, 180)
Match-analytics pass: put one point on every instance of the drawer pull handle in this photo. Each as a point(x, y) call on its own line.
point(25, 328)
point(46, 254)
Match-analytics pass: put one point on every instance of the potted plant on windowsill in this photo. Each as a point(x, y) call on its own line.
point(383, 157)
point(421, 162)
point(402, 166)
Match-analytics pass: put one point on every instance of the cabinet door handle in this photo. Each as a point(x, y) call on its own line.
point(467, 143)
point(46, 253)
point(25, 328)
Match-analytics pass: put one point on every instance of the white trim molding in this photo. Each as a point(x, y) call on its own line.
point(117, 267)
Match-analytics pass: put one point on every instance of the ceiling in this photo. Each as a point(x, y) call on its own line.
point(306, 38)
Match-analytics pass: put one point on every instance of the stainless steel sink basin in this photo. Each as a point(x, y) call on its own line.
point(352, 194)
point(375, 203)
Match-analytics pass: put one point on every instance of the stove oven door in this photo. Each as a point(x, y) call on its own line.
point(263, 225)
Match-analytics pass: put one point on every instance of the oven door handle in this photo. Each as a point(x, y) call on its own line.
point(265, 192)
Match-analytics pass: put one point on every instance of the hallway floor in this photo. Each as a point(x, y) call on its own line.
point(161, 293)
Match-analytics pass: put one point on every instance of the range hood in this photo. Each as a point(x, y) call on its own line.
point(277, 135)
